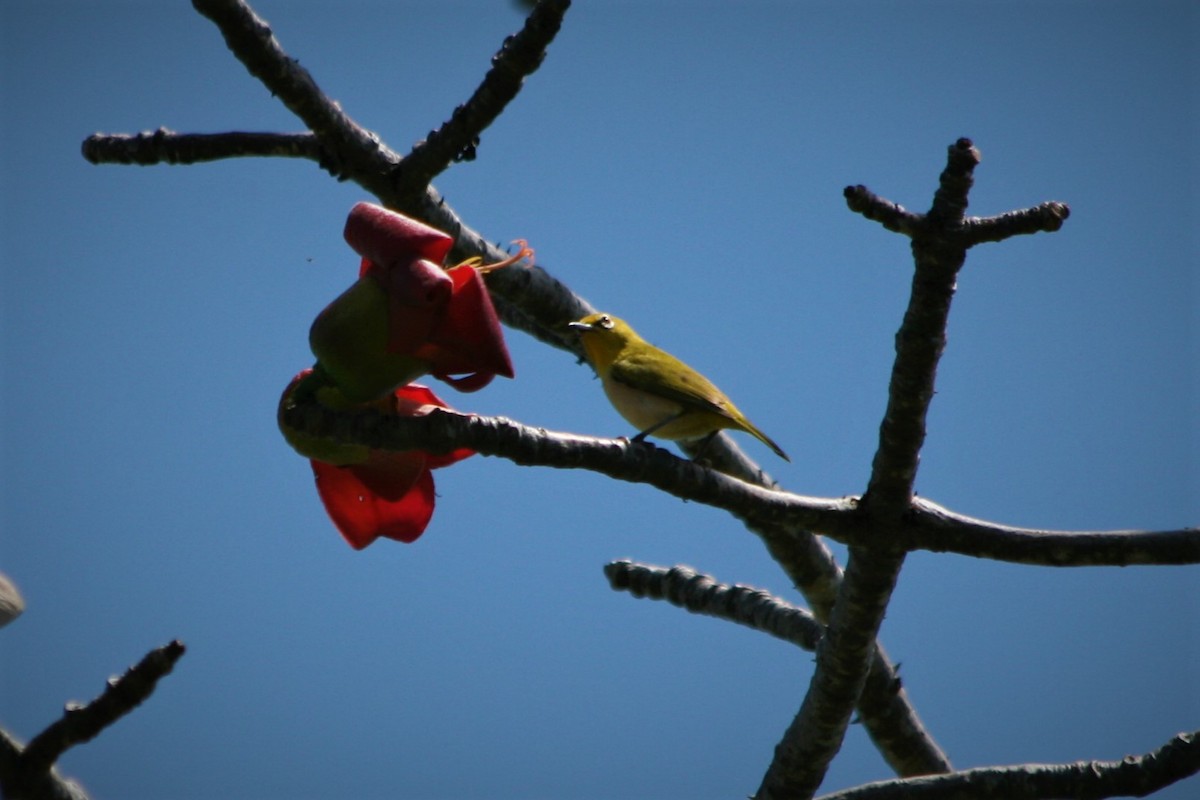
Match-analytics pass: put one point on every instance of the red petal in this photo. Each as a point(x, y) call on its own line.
point(468, 339)
point(369, 501)
point(418, 294)
point(467, 383)
point(386, 237)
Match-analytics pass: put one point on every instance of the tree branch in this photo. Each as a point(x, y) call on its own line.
point(846, 653)
point(28, 771)
point(684, 587)
point(354, 151)
point(932, 527)
point(457, 139)
point(844, 658)
point(530, 299)
point(894, 217)
point(167, 146)
point(921, 338)
point(1044, 218)
point(782, 519)
point(1135, 776)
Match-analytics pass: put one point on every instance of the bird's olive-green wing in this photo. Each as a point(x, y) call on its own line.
point(668, 377)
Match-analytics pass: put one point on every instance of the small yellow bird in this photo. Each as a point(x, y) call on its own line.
point(654, 390)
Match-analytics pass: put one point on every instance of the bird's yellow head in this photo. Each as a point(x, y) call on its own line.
point(603, 337)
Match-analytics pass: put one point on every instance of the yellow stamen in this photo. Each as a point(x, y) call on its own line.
point(476, 262)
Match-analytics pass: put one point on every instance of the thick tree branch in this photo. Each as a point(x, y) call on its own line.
point(921, 338)
point(28, 772)
point(1132, 776)
point(844, 658)
point(846, 653)
point(783, 519)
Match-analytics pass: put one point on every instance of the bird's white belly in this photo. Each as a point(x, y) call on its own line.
point(644, 410)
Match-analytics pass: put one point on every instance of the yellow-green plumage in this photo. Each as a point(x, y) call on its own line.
point(655, 391)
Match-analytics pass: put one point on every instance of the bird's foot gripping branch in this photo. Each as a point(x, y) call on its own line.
point(405, 317)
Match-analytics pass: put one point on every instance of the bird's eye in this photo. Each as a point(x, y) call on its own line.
point(606, 322)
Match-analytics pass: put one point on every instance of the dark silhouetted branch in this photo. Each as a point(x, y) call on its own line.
point(457, 139)
point(1044, 218)
point(165, 146)
point(532, 300)
point(1132, 776)
point(28, 771)
point(931, 527)
point(846, 653)
point(352, 151)
point(779, 517)
point(894, 217)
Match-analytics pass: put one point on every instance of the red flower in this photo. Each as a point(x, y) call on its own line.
point(373, 493)
point(406, 316)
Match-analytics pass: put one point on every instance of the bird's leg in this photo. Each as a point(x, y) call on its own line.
point(704, 443)
point(641, 437)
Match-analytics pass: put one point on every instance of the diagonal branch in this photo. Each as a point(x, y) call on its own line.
point(1132, 776)
point(83, 723)
point(457, 139)
point(701, 594)
point(28, 771)
point(355, 151)
point(883, 707)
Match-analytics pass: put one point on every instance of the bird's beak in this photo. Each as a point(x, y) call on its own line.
point(579, 326)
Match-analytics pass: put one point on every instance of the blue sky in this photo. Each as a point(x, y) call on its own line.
point(678, 164)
